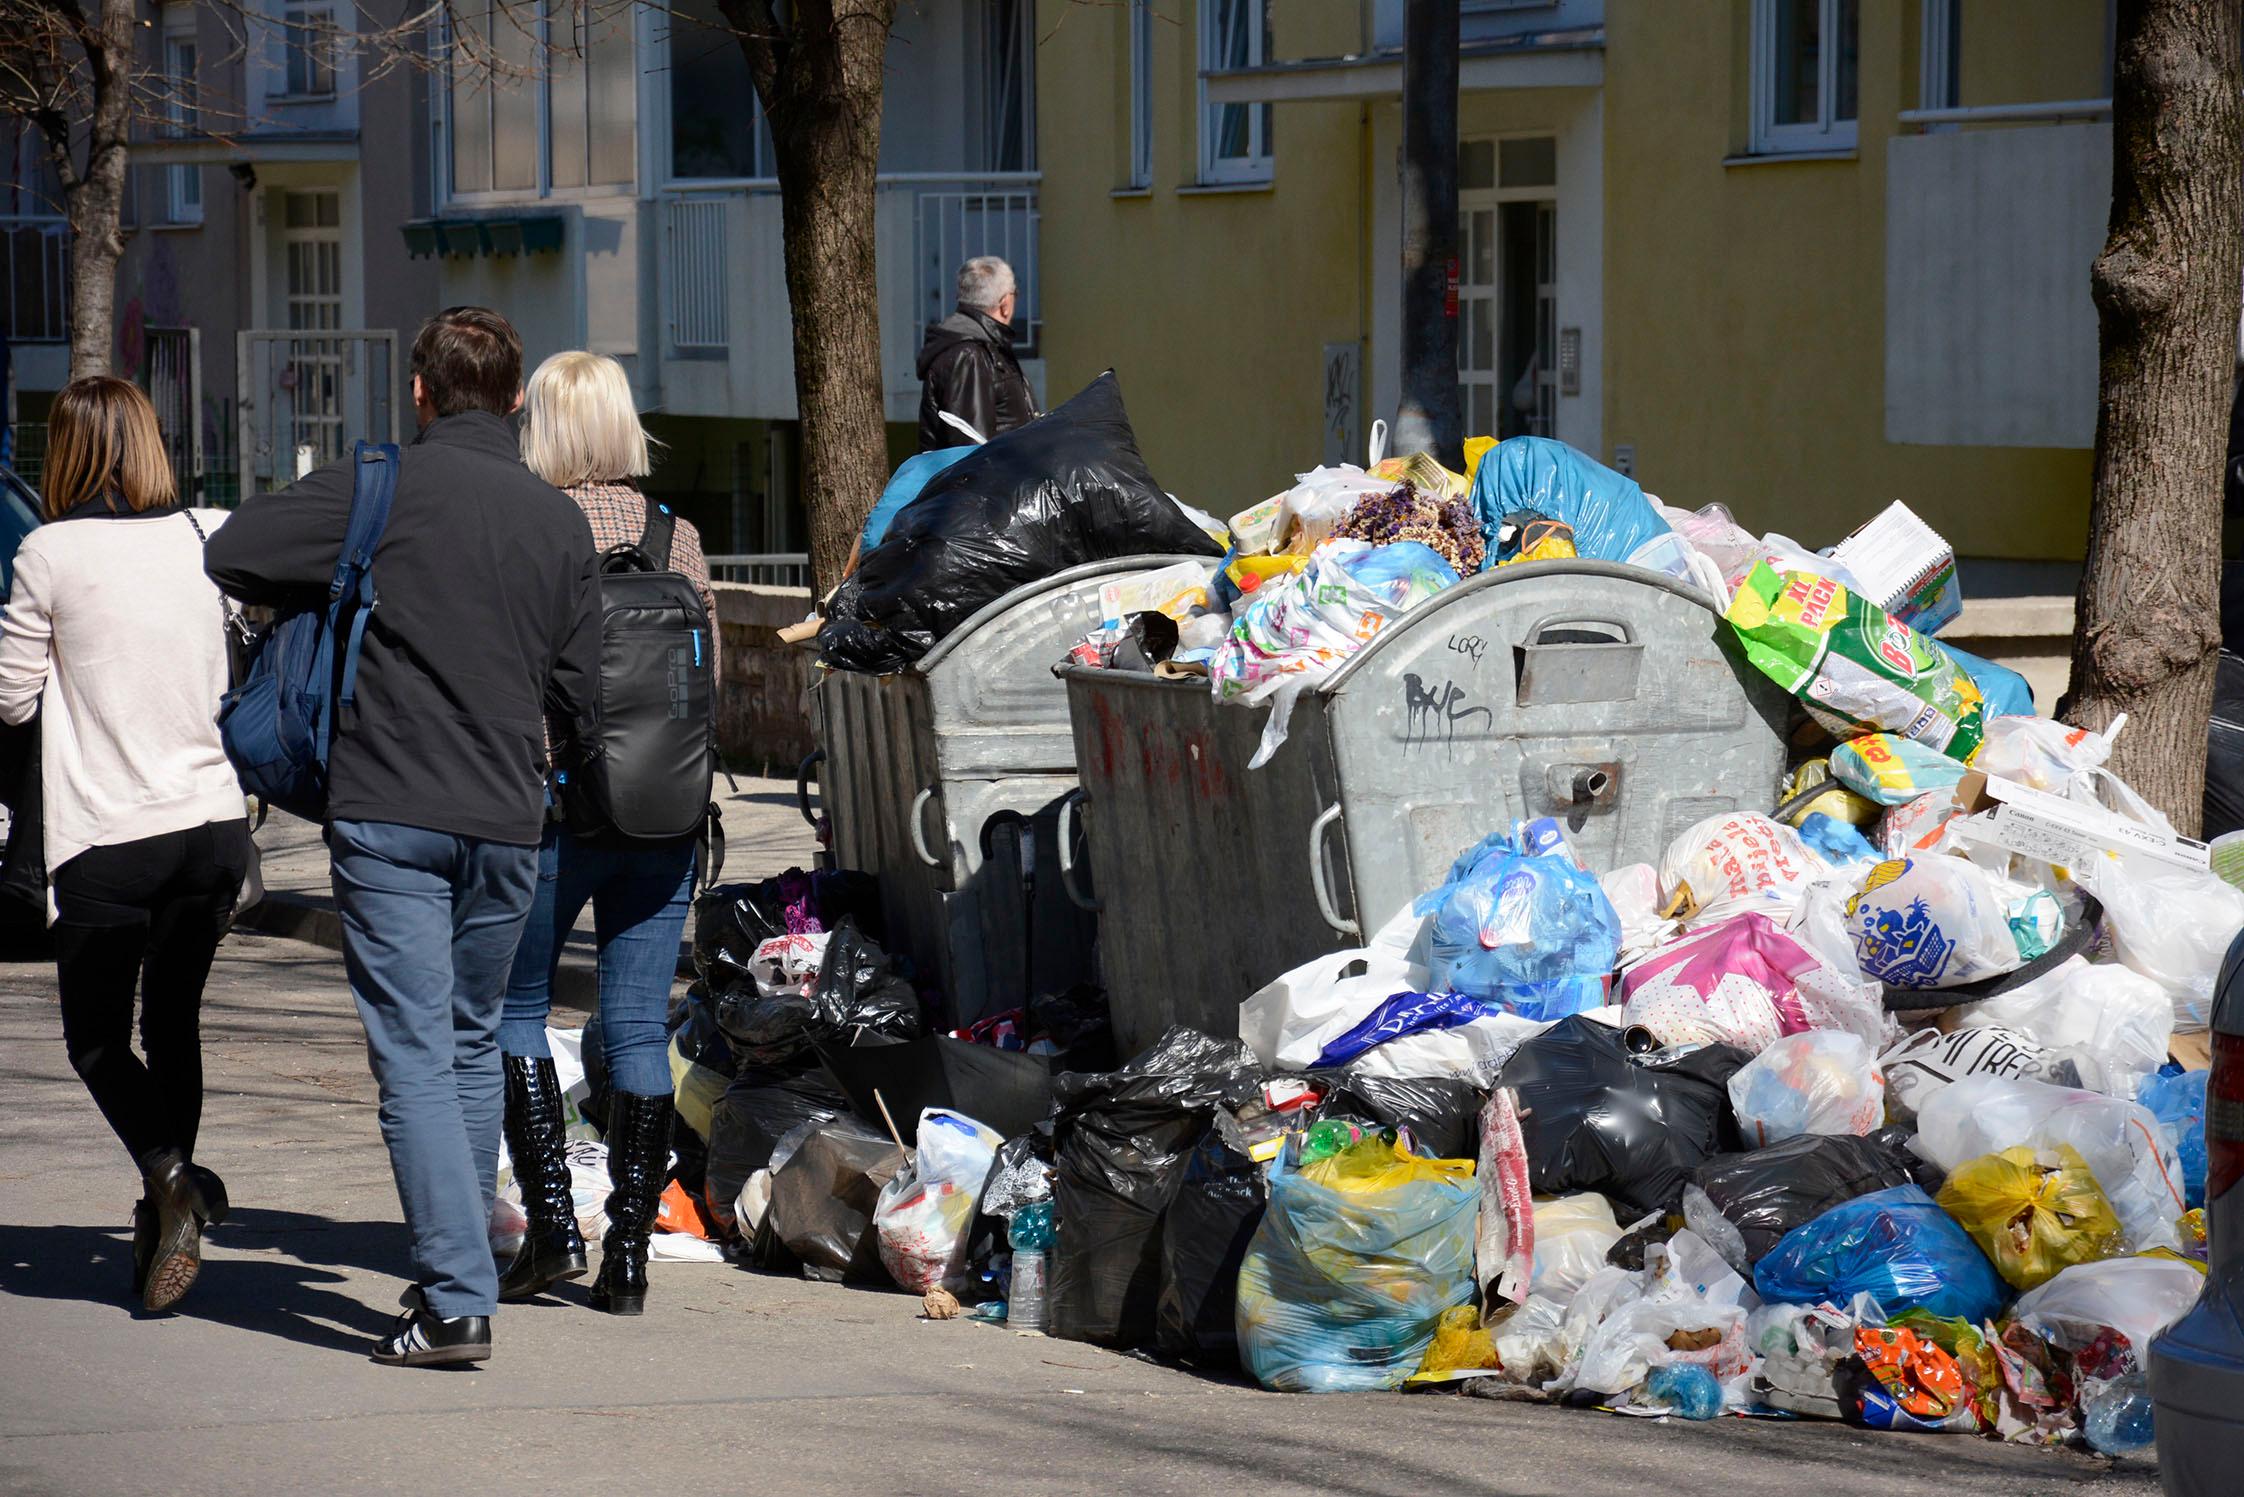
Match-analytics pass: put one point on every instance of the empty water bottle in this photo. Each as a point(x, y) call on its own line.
point(1030, 1236)
point(2119, 1417)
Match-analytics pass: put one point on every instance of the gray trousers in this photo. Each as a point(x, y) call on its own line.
point(430, 925)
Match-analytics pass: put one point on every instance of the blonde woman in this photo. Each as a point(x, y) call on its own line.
point(581, 434)
point(115, 637)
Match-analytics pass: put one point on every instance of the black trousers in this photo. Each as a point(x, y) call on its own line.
point(146, 915)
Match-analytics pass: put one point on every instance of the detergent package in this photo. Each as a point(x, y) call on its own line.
point(1892, 771)
point(1852, 665)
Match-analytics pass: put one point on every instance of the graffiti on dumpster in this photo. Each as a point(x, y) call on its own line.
point(1431, 713)
point(1471, 645)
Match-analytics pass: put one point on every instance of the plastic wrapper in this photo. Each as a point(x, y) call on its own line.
point(1531, 931)
point(1892, 770)
point(1441, 1114)
point(1840, 844)
point(1823, 1081)
point(1935, 922)
point(2173, 925)
point(1632, 1127)
point(2121, 1142)
point(2135, 1297)
point(1921, 1063)
point(2178, 1102)
point(1068, 488)
point(1725, 864)
point(1296, 631)
point(1851, 665)
point(1572, 1236)
point(1766, 1193)
point(1120, 1143)
point(2033, 1212)
point(1460, 1348)
point(1352, 1266)
point(923, 1215)
point(1504, 1250)
point(823, 1198)
point(1895, 1245)
point(1900, 1380)
point(761, 1107)
point(2112, 1024)
point(2039, 753)
point(1607, 511)
point(1204, 1236)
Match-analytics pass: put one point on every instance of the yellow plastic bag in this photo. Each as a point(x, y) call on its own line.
point(1839, 803)
point(1250, 572)
point(2033, 1212)
point(1460, 1349)
point(1370, 1166)
point(1476, 448)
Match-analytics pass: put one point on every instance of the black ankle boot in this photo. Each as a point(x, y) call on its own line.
point(552, 1247)
point(639, 1167)
point(175, 1250)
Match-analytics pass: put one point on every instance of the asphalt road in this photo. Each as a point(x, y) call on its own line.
point(731, 1381)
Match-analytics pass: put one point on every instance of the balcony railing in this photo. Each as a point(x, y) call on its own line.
point(35, 278)
point(951, 225)
point(771, 569)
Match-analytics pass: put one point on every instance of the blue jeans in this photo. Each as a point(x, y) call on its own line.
point(640, 897)
point(430, 922)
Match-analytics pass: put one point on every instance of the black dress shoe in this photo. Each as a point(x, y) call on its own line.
point(424, 1340)
point(175, 1255)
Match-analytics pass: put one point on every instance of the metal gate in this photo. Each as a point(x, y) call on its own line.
point(306, 397)
point(172, 374)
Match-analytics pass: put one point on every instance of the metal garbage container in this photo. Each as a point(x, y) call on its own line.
point(945, 780)
point(1604, 695)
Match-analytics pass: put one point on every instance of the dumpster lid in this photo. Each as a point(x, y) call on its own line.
point(1027, 591)
point(1497, 577)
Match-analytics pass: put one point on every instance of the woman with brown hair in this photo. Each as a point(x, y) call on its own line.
point(116, 639)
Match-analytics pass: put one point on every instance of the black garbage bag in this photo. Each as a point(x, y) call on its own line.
point(761, 1107)
point(1120, 1141)
point(822, 1201)
point(1633, 1127)
point(1078, 1023)
point(1768, 1192)
point(858, 992)
point(2224, 756)
point(1441, 1112)
point(698, 1035)
point(1204, 1236)
point(1070, 487)
point(731, 920)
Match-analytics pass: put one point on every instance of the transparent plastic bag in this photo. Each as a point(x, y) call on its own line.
point(2178, 1102)
point(2034, 1212)
point(924, 1214)
point(1896, 1246)
point(2121, 1142)
point(1572, 1236)
point(1822, 1081)
point(1531, 932)
point(2171, 924)
point(1355, 1260)
point(2111, 1022)
point(2137, 1297)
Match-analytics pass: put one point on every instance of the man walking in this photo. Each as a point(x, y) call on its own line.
point(966, 366)
point(487, 620)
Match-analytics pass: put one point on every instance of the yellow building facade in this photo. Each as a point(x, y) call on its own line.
point(1801, 257)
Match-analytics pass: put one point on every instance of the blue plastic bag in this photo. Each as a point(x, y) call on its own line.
point(904, 484)
point(1608, 513)
point(2177, 1099)
point(1534, 933)
point(2006, 691)
point(1404, 1013)
point(1836, 842)
point(1344, 1282)
point(1895, 1245)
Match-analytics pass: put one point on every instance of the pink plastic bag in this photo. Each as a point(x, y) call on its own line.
point(1734, 983)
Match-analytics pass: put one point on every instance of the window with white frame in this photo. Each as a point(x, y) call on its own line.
point(308, 45)
point(1141, 93)
point(1234, 138)
point(541, 96)
point(1805, 75)
point(183, 182)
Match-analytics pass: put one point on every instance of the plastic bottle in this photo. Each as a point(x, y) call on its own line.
point(1688, 1390)
point(2118, 1419)
point(1030, 1235)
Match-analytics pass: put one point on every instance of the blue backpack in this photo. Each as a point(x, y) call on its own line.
point(278, 725)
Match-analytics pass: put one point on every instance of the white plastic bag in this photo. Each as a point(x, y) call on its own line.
point(1725, 865)
point(1572, 1236)
point(924, 1214)
point(1822, 1081)
point(1530, 1341)
point(1291, 1019)
point(1939, 922)
point(1634, 889)
point(2111, 1022)
point(1924, 1061)
point(2037, 752)
point(2137, 1297)
point(2171, 924)
point(2125, 1148)
point(787, 965)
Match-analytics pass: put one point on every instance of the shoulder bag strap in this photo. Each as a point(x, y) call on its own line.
point(654, 540)
point(373, 487)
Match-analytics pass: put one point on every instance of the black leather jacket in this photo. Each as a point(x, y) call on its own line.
point(966, 367)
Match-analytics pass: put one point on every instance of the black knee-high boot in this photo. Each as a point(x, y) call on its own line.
point(638, 1167)
point(537, 1143)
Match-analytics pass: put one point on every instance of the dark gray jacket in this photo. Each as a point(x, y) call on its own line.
point(487, 622)
point(966, 367)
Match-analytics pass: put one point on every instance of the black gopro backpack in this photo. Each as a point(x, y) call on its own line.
point(646, 774)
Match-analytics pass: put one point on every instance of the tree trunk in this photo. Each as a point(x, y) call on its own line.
point(2147, 630)
point(94, 199)
point(819, 76)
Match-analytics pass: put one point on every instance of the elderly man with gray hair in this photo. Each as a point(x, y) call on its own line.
point(966, 365)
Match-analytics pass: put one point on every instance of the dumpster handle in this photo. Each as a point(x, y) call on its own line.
point(1325, 906)
point(802, 785)
point(1068, 803)
point(919, 828)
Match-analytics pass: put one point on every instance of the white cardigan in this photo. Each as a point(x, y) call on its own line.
point(114, 630)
